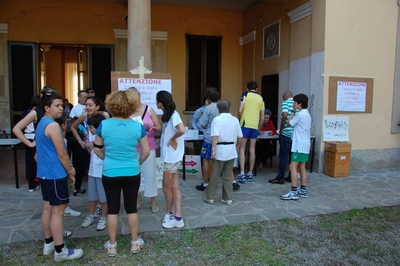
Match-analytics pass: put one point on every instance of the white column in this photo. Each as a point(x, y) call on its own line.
point(139, 33)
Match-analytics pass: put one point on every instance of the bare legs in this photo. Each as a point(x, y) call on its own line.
point(172, 192)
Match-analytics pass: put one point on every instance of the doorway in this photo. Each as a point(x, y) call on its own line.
point(270, 94)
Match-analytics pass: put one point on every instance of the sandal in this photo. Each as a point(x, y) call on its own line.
point(277, 181)
point(155, 208)
point(67, 233)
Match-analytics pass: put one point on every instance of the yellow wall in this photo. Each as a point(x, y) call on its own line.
point(360, 42)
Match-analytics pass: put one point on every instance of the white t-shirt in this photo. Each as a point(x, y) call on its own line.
point(168, 154)
point(77, 110)
point(301, 132)
point(96, 164)
point(227, 128)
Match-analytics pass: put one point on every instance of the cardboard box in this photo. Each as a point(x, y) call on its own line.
point(337, 159)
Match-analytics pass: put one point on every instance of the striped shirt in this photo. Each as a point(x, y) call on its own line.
point(287, 107)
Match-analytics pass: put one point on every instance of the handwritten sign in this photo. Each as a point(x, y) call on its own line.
point(148, 89)
point(336, 128)
point(351, 96)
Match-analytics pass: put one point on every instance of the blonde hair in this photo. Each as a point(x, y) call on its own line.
point(122, 103)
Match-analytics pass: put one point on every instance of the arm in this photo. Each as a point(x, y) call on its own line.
point(75, 125)
point(98, 147)
point(144, 143)
point(106, 115)
point(283, 122)
point(154, 118)
point(240, 110)
point(53, 132)
point(214, 147)
point(291, 117)
point(18, 129)
point(195, 119)
point(260, 123)
point(180, 130)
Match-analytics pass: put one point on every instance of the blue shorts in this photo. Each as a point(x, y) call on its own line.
point(206, 150)
point(56, 192)
point(249, 133)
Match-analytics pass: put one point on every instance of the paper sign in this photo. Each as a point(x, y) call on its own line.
point(336, 128)
point(192, 167)
point(351, 96)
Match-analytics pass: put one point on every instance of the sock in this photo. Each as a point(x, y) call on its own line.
point(59, 247)
point(241, 172)
point(294, 189)
point(303, 188)
point(178, 218)
point(48, 240)
point(249, 173)
point(234, 182)
point(98, 206)
point(91, 216)
point(103, 218)
point(205, 184)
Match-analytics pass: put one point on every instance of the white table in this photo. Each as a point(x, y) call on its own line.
point(13, 143)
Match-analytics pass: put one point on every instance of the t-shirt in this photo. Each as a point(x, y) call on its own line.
point(96, 164)
point(168, 154)
point(77, 110)
point(227, 128)
point(210, 111)
point(120, 138)
point(287, 107)
point(49, 165)
point(253, 105)
point(301, 132)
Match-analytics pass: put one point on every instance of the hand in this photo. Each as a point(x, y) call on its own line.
point(260, 132)
point(89, 144)
point(33, 144)
point(71, 180)
point(173, 144)
point(72, 172)
point(214, 155)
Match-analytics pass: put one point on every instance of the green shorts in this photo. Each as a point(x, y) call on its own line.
point(299, 157)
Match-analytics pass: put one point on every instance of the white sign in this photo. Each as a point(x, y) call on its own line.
point(148, 89)
point(336, 128)
point(351, 96)
point(192, 166)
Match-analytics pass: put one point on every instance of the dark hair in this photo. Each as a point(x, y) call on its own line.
point(223, 105)
point(252, 85)
point(80, 92)
point(267, 112)
point(95, 120)
point(35, 101)
point(165, 98)
point(96, 100)
point(301, 99)
point(47, 89)
point(212, 94)
point(48, 98)
point(89, 90)
point(61, 120)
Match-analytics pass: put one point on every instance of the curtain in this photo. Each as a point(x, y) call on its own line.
point(71, 75)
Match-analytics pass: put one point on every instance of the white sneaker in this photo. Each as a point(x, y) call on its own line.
point(97, 212)
point(227, 202)
point(167, 217)
point(70, 212)
point(102, 224)
point(173, 223)
point(67, 233)
point(87, 222)
point(68, 254)
point(36, 188)
point(111, 249)
point(137, 245)
point(291, 195)
point(48, 249)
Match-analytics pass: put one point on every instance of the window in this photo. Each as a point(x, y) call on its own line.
point(203, 68)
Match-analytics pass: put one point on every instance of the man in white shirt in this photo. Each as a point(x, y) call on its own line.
point(78, 109)
point(226, 135)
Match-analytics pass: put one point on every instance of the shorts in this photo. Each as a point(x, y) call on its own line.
point(298, 157)
point(249, 133)
point(172, 167)
point(96, 189)
point(206, 150)
point(56, 192)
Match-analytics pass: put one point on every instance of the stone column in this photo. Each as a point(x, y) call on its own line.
point(139, 33)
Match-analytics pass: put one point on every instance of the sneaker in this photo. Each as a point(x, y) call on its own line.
point(137, 245)
point(303, 193)
point(68, 254)
point(70, 212)
point(201, 187)
point(173, 223)
point(241, 178)
point(167, 217)
point(87, 222)
point(34, 189)
point(67, 233)
point(48, 249)
point(102, 224)
point(97, 212)
point(111, 249)
point(227, 202)
point(235, 186)
point(277, 181)
point(209, 201)
point(250, 178)
point(81, 191)
point(291, 195)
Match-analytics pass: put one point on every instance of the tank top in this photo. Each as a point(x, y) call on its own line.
point(148, 124)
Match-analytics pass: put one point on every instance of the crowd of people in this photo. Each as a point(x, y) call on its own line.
point(114, 144)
